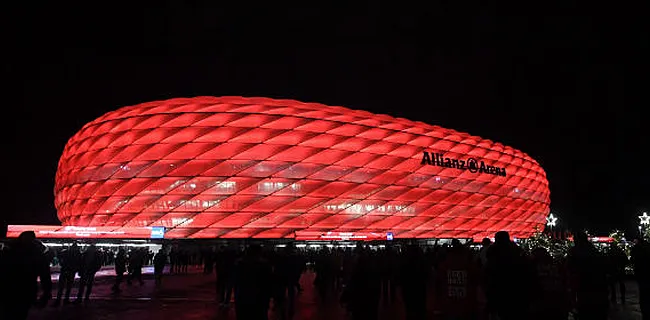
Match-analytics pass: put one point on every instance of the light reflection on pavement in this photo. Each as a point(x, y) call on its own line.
point(107, 272)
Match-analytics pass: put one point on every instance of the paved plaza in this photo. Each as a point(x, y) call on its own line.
point(192, 296)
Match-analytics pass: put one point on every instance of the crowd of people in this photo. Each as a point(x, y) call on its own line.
point(107, 256)
point(499, 280)
point(452, 281)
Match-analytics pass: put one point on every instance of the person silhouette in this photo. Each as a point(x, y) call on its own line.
point(91, 262)
point(617, 261)
point(295, 266)
point(641, 263)
point(457, 279)
point(485, 245)
point(551, 295)
point(120, 269)
point(509, 279)
point(325, 273)
point(159, 262)
point(136, 261)
point(588, 274)
point(364, 288)
point(389, 270)
point(22, 263)
point(414, 274)
point(225, 265)
point(253, 278)
point(70, 264)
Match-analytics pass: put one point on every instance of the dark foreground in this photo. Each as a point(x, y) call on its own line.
point(192, 296)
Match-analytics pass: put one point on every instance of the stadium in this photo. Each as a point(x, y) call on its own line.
point(260, 168)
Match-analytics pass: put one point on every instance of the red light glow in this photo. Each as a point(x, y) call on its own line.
point(234, 167)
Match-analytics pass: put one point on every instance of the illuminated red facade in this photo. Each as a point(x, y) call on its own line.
point(234, 167)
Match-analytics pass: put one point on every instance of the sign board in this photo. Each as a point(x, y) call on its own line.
point(339, 236)
point(75, 232)
point(471, 164)
point(157, 232)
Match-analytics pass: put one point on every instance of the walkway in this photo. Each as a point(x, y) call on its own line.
point(192, 296)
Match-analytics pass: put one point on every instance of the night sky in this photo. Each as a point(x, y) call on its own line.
point(566, 84)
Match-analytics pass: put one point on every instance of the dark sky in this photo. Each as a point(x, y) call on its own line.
point(566, 84)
